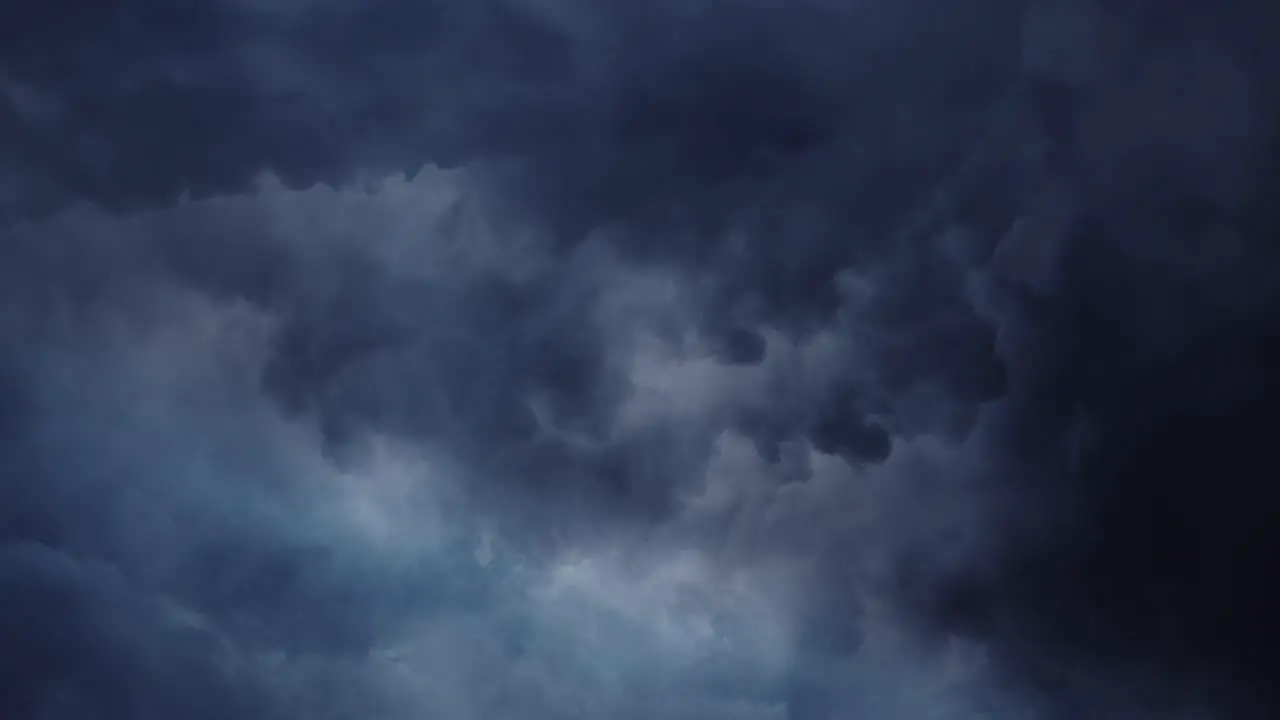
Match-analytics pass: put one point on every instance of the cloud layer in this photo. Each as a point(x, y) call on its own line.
point(705, 359)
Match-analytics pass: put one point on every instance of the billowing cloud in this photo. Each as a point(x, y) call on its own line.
point(704, 359)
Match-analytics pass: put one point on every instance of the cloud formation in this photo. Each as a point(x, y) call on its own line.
point(704, 359)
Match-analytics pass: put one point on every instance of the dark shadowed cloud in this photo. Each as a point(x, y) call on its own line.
point(681, 359)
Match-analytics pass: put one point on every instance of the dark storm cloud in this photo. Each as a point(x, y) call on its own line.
point(1139, 363)
point(667, 121)
point(960, 313)
point(81, 643)
point(315, 90)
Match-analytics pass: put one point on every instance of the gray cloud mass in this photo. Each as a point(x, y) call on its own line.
point(687, 359)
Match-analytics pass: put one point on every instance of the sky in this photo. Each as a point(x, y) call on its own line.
point(639, 359)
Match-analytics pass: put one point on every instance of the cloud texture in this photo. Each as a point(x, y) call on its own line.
point(666, 359)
